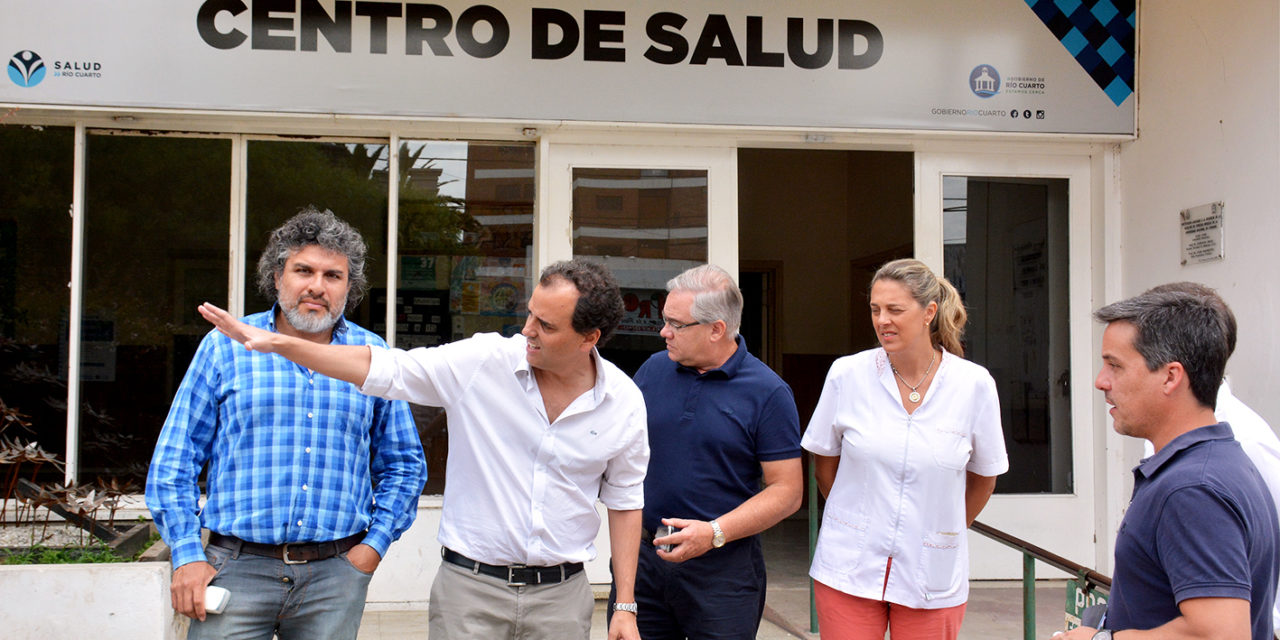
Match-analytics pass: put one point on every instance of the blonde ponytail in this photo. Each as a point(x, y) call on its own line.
point(948, 324)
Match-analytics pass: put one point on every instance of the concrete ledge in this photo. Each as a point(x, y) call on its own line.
point(103, 601)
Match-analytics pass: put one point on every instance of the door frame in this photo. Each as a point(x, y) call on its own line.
point(771, 271)
point(1037, 517)
point(553, 223)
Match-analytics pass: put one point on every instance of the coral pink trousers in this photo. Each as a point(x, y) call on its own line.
point(845, 617)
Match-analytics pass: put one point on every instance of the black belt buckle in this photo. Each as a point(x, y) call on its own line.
point(284, 555)
point(511, 575)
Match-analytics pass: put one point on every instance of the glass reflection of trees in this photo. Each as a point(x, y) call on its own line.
point(156, 228)
point(35, 266)
point(465, 243)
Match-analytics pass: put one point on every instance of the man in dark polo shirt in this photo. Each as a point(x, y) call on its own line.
point(1196, 554)
point(721, 423)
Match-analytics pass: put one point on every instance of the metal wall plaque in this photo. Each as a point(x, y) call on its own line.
point(1202, 239)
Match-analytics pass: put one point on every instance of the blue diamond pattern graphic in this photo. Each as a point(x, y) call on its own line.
point(1111, 51)
point(1104, 11)
point(1100, 35)
point(1075, 42)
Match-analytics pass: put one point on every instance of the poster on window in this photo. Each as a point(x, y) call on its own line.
point(642, 312)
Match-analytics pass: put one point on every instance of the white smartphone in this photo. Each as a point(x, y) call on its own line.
point(215, 599)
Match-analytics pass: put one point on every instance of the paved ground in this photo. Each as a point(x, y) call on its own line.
point(995, 611)
point(995, 608)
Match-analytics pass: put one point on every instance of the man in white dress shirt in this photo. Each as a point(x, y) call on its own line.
point(1253, 433)
point(540, 427)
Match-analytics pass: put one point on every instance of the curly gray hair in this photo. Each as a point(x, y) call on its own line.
point(314, 227)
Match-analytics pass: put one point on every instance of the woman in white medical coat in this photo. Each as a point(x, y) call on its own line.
point(907, 443)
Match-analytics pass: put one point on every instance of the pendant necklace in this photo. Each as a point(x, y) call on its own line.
point(914, 396)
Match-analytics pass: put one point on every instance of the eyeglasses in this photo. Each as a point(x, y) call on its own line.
point(676, 326)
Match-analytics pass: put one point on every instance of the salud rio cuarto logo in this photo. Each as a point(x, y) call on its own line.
point(26, 69)
point(984, 80)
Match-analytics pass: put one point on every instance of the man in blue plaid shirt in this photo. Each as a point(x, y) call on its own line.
point(309, 481)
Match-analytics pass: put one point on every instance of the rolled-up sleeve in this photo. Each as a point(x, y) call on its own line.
point(623, 486)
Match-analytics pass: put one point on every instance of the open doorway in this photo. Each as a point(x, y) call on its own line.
point(813, 228)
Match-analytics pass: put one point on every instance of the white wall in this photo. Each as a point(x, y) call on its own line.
point(1209, 130)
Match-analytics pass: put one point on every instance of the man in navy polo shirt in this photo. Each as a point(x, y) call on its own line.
point(1196, 554)
point(721, 423)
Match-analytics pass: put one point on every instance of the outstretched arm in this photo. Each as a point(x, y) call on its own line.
point(341, 362)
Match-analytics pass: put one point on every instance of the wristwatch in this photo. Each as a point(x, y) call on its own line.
point(629, 607)
point(717, 536)
point(1102, 634)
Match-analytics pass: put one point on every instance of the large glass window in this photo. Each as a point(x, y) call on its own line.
point(1005, 249)
point(286, 176)
point(157, 224)
point(156, 228)
point(465, 251)
point(647, 225)
point(35, 267)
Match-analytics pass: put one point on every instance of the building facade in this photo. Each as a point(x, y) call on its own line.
point(1032, 151)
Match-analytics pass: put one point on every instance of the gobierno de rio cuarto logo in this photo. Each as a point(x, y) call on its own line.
point(26, 69)
point(984, 81)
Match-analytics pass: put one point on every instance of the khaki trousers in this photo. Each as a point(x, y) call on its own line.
point(467, 606)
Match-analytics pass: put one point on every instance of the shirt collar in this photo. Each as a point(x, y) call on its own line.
point(521, 366)
point(524, 372)
point(730, 367)
point(1151, 466)
point(600, 389)
point(339, 327)
point(884, 367)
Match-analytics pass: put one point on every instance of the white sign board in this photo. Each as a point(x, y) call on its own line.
point(972, 65)
point(1202, 233)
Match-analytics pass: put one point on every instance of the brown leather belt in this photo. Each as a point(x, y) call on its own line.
point(289, 553)
point(516, 575)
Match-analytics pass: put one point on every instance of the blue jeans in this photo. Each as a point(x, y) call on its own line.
point(321, 600)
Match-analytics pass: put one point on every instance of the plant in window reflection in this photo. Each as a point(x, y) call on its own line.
point(101, 435)
point(82, 505)
point(15, 457)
